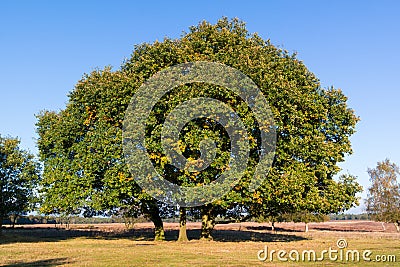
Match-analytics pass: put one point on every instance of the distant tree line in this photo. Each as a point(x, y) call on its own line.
point(342, 217)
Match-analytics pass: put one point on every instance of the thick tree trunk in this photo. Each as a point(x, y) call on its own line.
point(182, 225)
point(158, 229)
point(207, 222)
point(151, 209)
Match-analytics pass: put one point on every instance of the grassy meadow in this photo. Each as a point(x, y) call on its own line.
point(233, 245)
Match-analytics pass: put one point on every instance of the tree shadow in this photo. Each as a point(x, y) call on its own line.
point(143, 234)
point(277, 229)
point(224, 236)
point(34, 235)
point(343, 229)
point(48, 262)
point(244, 235)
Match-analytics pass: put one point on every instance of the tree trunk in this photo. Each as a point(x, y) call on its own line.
point(182, 225)
point(14, 220)
point(306, 229)
point(207, 222)
point(67, 222)
point(158, 229)
point(272, 226)
point(151, 209)
point(383, 226)
point(397, 226)
point(1, 225)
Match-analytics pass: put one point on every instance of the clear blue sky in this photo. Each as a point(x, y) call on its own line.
point(46, 47)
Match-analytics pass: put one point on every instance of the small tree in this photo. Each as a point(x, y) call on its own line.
point(19, 174)
point(383, 202)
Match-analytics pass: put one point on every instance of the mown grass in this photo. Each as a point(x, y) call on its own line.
point(19, 248)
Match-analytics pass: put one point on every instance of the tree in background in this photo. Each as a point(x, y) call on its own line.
point(383, 201)
point(19, 176)
point(337, 197)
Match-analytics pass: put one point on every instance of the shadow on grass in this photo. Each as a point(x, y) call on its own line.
point(277, 229)
point(48, 262)
point(56, 234)
point(143, 234)
point(345, 229)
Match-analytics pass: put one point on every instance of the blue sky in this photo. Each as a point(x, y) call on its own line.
point(47, 46)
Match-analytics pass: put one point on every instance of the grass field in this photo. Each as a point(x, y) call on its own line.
point(233, 245)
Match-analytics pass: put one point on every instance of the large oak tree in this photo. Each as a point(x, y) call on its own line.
point(81, 146)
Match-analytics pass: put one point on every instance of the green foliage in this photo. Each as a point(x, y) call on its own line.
point(19, 175)
point(314, 124)
point(81, 149)
point(383, 201)
point(84, 169)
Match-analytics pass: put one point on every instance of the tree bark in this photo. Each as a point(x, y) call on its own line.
point(151, 209)
point(207, 222)
point(182, 225)
point(306, 228)
point(158, 229)
point(1, 225)
point(14, 221)
point(397, 226)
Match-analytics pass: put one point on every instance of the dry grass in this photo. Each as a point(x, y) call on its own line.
point(111, 245)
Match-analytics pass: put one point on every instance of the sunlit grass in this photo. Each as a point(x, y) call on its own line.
point(25, 250)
